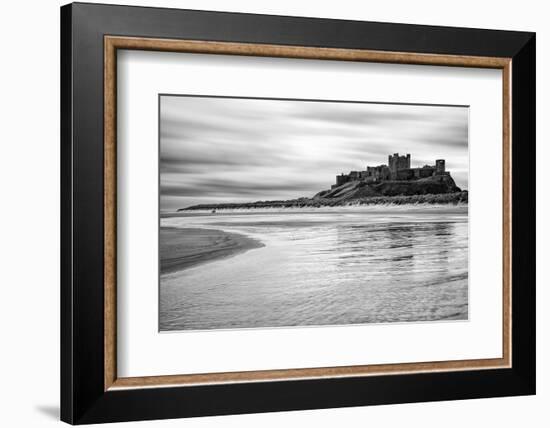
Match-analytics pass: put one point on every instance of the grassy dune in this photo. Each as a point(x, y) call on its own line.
point(319, 201)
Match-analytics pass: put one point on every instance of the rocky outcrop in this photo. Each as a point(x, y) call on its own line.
point(434, 185)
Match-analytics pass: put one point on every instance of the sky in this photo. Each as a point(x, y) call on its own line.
point(215, 150)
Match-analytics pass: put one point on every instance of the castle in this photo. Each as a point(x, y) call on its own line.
point(398, 169)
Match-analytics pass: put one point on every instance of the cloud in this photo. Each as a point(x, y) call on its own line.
point(223, 149)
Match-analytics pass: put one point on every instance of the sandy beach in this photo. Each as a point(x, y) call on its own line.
point(337, 266)
point(184, 248)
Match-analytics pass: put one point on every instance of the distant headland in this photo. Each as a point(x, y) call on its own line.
point(394, 183)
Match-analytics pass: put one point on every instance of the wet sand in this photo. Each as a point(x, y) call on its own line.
point(184, 248)
point(324, 267)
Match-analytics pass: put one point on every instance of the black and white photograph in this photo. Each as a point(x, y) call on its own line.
point(285, 213)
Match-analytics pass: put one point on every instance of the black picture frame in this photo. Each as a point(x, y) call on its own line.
point(83, 396)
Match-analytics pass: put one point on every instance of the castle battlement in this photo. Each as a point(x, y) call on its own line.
point(397, 169)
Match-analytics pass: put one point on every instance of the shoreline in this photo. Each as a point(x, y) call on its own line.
point(182, 249)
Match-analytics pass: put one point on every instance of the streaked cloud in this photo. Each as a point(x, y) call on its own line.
point(237, 150)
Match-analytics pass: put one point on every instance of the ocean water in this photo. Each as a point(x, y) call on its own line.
point(348, 265)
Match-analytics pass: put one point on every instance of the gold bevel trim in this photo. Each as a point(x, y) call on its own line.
point(112, 43)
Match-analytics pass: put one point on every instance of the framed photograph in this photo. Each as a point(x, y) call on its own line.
point(265, 213)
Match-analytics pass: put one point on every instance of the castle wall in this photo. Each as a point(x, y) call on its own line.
point(404, 174)
point(426, 172)
point(341, 179)
point(414, 173)
point(398, 168)
point(381, 172)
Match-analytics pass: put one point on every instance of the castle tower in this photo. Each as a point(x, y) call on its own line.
point(440, 166)
point(397, 163)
